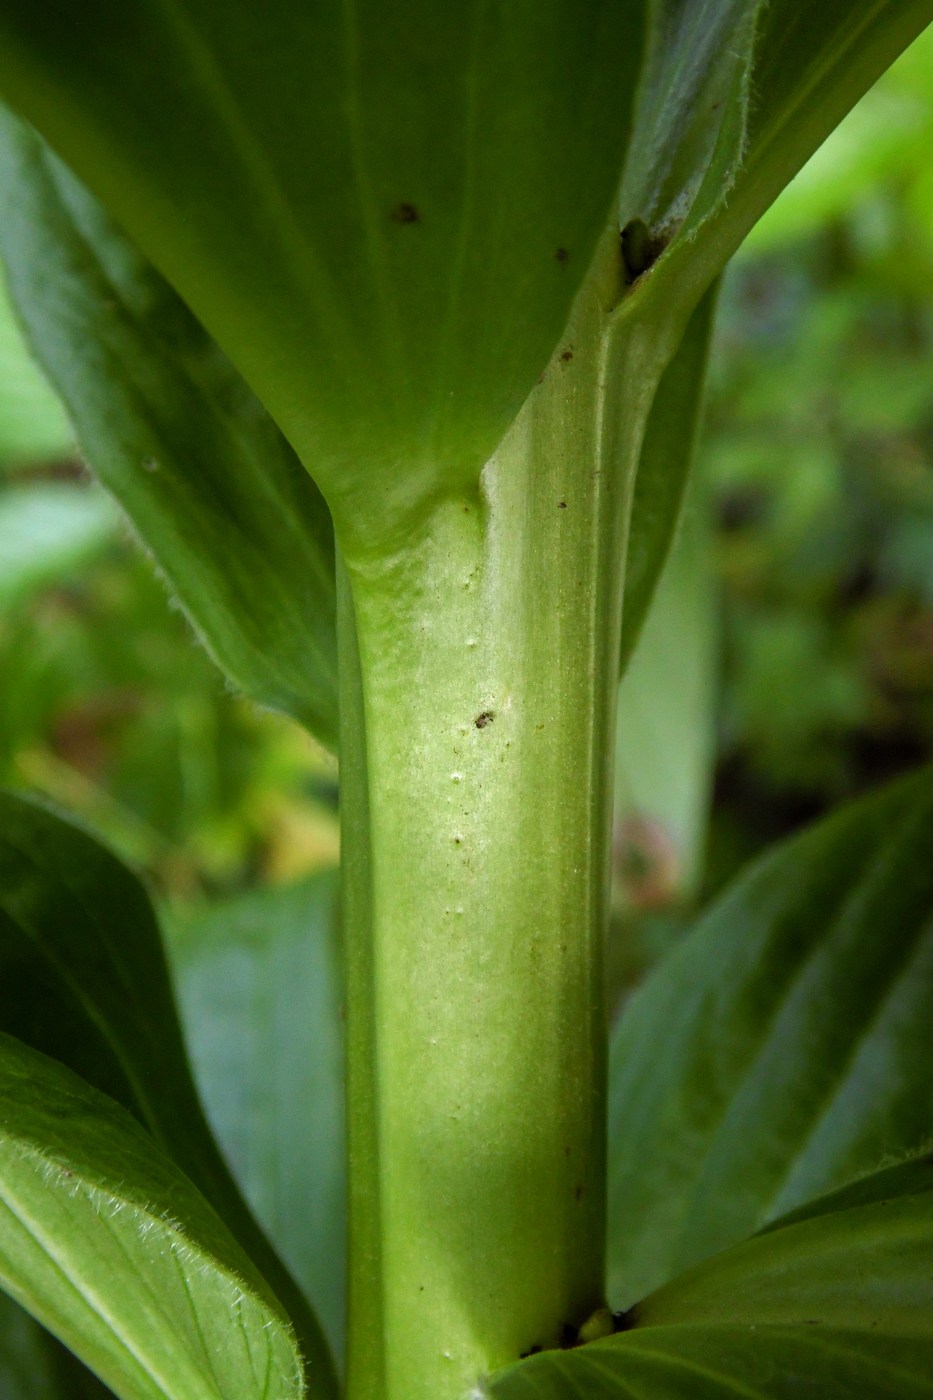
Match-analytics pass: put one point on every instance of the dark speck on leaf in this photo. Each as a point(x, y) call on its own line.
point(562, 255)
point(566, 356)
point(561, 505)
point(485, 718)
point(406, 214)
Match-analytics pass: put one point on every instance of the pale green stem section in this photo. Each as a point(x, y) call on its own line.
point(476, 821)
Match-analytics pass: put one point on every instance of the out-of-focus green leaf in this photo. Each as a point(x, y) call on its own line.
point(209, 483)
point(665, 737)
point(105, 1242)
point(33, 426)
point(663, 470)
point(783, 1048)
point(836, 1301)
point(260, 991)
point(80, 945)
point(384, 216)
point(47, 530)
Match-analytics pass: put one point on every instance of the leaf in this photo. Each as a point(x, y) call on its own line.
point(382, 212)
point(79, 941)
point(35, 1366)
point(260, 989)
point(665, 728)
point(33, 426)
point(48, 530)
point(104, 1240)
point(859, 1259)
point(737, 95)
point(784, 1048)
point(835, 1302)
point(664, 464)
point(239, 531)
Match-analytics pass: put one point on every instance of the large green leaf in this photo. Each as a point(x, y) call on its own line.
point(260, 991)
point(382, 209)
point(209, 483)
point(47, 530)
point(105, 1242)
point(785, 1047)
point(836, 1301)
point(80, 945)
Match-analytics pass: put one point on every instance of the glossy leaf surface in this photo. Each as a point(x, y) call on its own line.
point(783, 1048)
point(382, 211)
point(836, 1301)
point(260, 991)
point(104, 1240)
point(209, 483)
point(79, 941)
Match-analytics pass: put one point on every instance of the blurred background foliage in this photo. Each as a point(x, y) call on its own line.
point(788, 661)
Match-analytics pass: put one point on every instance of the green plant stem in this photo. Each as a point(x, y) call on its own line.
point(478, 671)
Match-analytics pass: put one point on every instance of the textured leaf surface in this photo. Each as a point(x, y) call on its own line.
point(80, 944)
point(209, 483)
point(382, 211)
point(837, 1301)
point(47, 530)
point(260, 989)
point(784, 1048)
point(107, 1243)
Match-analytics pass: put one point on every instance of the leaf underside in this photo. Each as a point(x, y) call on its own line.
point(384, 216)
point(107, 1244)
point(79, 941)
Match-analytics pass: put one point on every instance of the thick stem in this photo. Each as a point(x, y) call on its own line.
point(479, 669)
